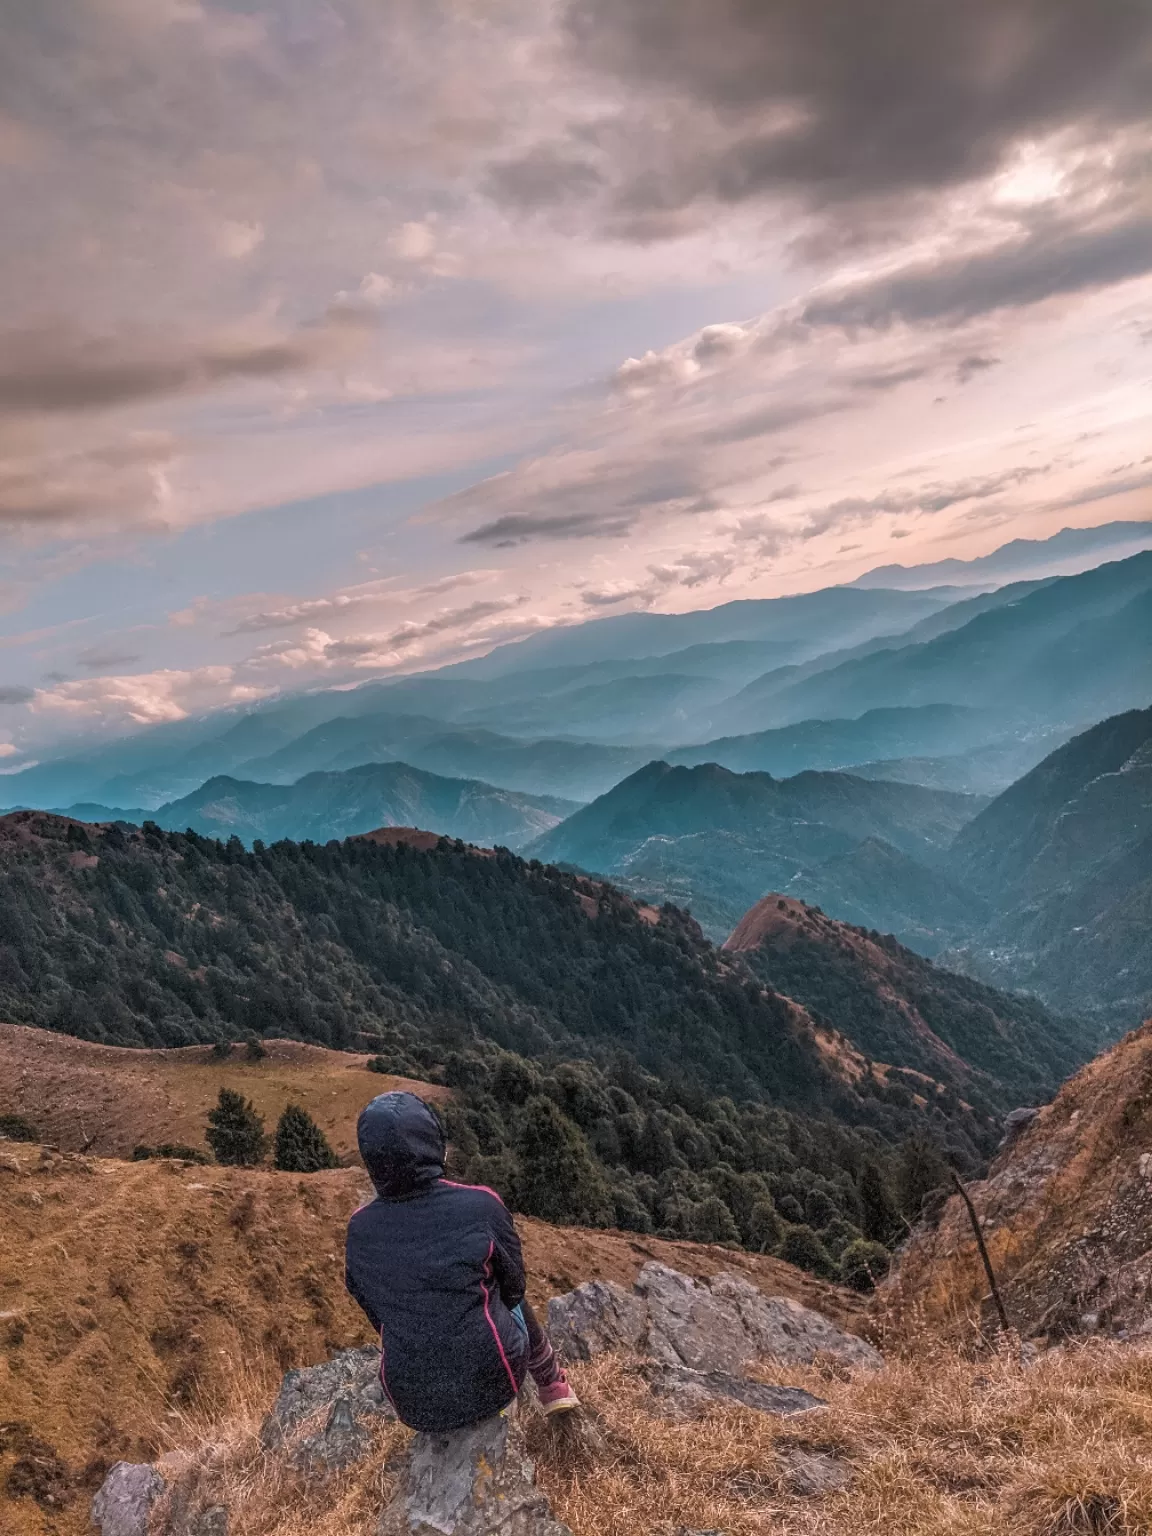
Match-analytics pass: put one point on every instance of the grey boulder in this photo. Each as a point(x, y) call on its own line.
point(686, 1392)
point(352, 1375)
point(724, 1325)
point(596, 1318)
point(125, 1500)
point(477, 1481)
point(342, 1442)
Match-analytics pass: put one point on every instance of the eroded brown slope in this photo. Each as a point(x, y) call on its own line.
point(1067, 1214)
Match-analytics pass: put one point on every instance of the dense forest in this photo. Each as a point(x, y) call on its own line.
point(610, 1066)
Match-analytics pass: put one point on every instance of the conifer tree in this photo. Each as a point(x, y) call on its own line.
point(235, 1131)
point(878, 1214)
point(560, 1181)
point(300, 1145)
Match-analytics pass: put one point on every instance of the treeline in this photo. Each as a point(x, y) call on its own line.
point(607, 1068)
point(578, 1144)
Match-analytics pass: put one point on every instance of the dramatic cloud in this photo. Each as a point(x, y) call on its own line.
point(657, 302)
point(851, 99)
point(57, 370)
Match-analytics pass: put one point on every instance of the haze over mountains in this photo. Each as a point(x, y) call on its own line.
point(831, 746)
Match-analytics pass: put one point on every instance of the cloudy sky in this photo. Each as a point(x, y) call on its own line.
point(342, 337)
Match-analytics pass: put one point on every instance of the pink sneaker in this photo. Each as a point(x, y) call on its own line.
point(558, 1397)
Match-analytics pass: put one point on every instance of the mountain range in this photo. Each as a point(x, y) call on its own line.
point(1064, 859)
point(1063, 554)
point(322, 806)
point(559, 715)
point(715, 841)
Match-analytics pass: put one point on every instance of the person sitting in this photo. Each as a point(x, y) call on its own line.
point(438, 1270)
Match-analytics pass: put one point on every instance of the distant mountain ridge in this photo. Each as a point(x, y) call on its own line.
point(1062, 554)
point(716, 841)
point(1064, 859)
point(322, 806)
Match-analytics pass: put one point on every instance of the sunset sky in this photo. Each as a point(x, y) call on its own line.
point(343, 337)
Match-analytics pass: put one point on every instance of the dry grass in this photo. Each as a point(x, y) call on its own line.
point(219, 1460)
point(938, 1445)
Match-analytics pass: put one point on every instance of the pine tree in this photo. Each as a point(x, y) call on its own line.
point(921, 1169)
point(560, 1181)
point(300, 1145)
point(764, 1228)
point(235, 1131)
point(878, 1214)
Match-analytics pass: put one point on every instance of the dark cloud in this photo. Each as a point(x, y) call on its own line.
point(969, 367)
point(1047, 262)
point(879, 380)
point(769, 420)
point(11, 693)
point(409, 634)
point(104, 658)
point(843, 99)
point(542, 178)
point(519, 528)
point(937, 496)
point(56, 370)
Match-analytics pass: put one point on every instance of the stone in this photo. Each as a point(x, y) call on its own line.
point(352, 1374)
point(596, 1318)
point(809, 1474)
point(477, 1481)
point(725, 1325)
point(687, 1392)
point(1014, 1125)
point(341, 1443)
point(211, 1522)
point(125, 1500)
point(686, 1326)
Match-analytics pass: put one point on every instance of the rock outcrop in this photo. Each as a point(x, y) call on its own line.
point(350, 1378)
point(719, 1326)
point(684, 1392)
point(473, 1482)
point(124, 1503)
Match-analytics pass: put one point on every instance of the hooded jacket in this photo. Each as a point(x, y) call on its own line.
point(437, 1268)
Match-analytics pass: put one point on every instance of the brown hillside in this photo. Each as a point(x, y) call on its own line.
point(108, 1099)
point(995, 1049)
point(1067, 1214)
point(128, 1290)
point(781, 923)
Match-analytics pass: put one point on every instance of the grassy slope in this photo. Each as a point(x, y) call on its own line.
point(132, 1291)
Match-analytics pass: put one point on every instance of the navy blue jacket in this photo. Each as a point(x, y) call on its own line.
point(437, 1268)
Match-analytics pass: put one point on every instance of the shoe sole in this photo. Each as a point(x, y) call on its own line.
point(565, 1405)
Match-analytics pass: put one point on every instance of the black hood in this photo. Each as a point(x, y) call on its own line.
point(401, 1143)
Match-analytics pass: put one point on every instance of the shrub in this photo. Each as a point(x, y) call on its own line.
point(801, 1246)
point(222, 1049)
point(17, 1128)
point(862, 1264)
point(235, 1131)
point(300, 1145)
point(255, 1048)
point(175, 1149)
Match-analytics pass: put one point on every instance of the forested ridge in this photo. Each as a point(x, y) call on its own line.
point(610, 1066)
